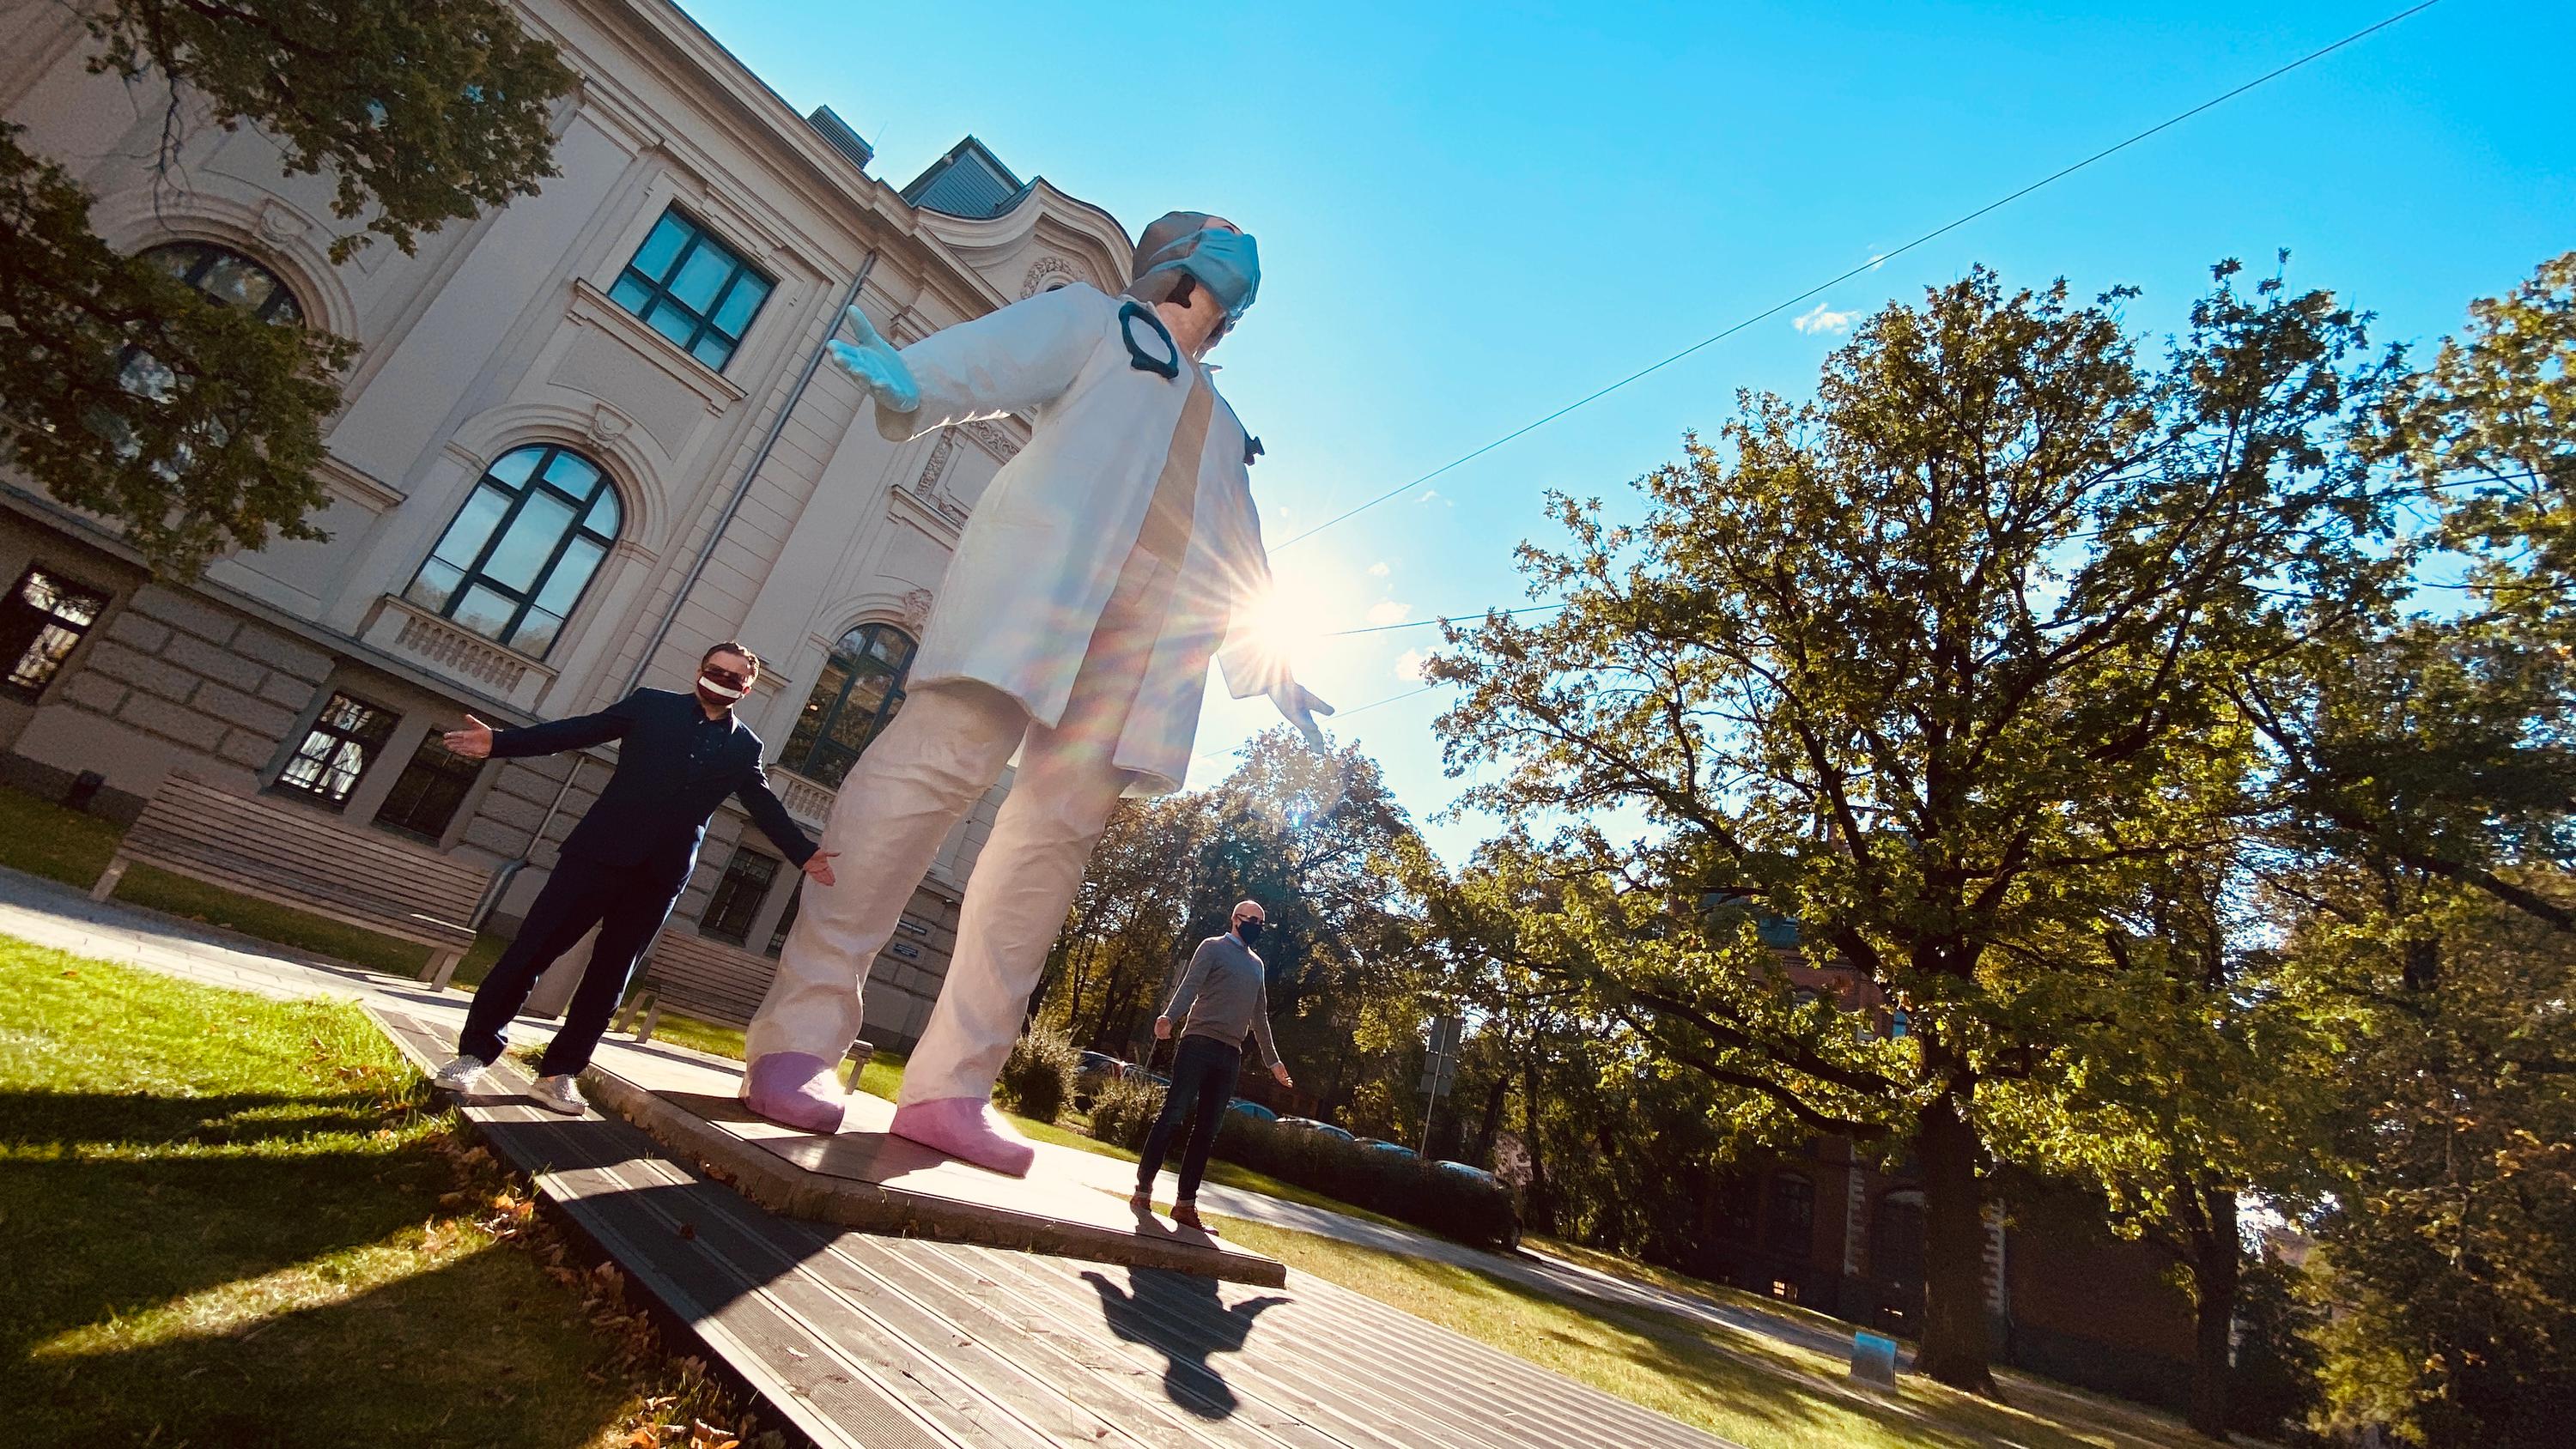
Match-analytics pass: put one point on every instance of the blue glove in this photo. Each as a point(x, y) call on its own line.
point(873, 361)
point(1299, 706)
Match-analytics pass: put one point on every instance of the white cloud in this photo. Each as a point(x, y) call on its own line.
point(1877, 260)
point(1379, 569)
point(1434, 495)
point(1408, 665)
point(1389, 612)
point(1820, 320)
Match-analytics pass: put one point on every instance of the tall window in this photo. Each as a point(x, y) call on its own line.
point(738, 896)
point(860, 689)
point(1897, 1248)
point(426, 794)
point(523, 547)
point(1793, 1213)
point(41, 623)
point(345, 738)
point(229, 278)
point(786, 923)
point(692, 289)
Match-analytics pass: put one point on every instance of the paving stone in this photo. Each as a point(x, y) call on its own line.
point(92, 690)
point(288, 690)
point(142, 633)
point(214, 663)
point(164, 679)
point(181, 612)
point(241, 711)
point(172, 721)
point(248, 747)
point(287, 656)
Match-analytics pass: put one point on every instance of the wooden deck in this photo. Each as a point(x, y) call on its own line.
point(891, 1342)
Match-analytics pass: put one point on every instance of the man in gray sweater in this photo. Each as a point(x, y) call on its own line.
point(1222, 997)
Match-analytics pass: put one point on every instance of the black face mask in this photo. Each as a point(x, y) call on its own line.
point(1250, 931)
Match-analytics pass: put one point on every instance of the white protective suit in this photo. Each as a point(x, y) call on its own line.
point(1026, 651)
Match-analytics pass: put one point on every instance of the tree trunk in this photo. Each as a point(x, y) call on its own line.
point(1954, 1348)
point(2213, 1284)
point(1481, 1151)
point(1541, 1207)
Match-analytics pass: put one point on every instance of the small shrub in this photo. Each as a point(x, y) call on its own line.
point(1038, 1076)
point(1123, 1111)
point(1408, 1189)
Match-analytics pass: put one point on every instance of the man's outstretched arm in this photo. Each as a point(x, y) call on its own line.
point(478, 740)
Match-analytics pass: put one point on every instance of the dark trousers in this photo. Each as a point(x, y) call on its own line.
point(578, 896)
point(1203, 1071)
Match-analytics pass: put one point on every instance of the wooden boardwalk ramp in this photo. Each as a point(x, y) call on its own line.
point(892, 1342)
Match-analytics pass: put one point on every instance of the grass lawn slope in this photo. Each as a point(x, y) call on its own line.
point(233, 1220)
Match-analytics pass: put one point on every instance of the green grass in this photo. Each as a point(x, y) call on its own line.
point(1756, 1391)
point(235, 1220)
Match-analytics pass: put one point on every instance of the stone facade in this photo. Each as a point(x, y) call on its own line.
point(746, 504)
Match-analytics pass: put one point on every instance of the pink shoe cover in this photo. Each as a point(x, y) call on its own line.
point(795, 1090)
point(967, 1128)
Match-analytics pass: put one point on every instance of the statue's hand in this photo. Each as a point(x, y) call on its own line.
point(873, 361)
point(1299, 706)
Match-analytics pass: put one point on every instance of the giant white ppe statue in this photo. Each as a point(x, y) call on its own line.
point(1102, 569)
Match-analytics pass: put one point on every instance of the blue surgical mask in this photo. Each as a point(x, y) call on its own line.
point(1227, 263)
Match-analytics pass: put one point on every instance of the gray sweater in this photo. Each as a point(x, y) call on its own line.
point(1223, 995)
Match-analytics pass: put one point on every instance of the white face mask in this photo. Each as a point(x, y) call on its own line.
point(718, 688)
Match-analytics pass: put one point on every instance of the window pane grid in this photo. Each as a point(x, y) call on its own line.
point(516, 587)
point(700, 294)
point(41, 623)
point(337, 749)
point(737, 898)
point(858, 693)
point(424, 799)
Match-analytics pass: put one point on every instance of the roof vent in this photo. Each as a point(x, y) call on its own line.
point(844, 140)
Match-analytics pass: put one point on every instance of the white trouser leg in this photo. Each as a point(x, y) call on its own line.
point(900, 801)
point(1026, 877)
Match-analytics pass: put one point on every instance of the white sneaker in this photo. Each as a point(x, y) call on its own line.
point(558, 1094)
point(463, 1074)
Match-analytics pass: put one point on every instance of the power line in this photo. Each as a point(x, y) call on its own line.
point(1873, 262)
point(2422, 491)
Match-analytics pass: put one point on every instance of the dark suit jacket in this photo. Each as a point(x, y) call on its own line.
point(655, 809)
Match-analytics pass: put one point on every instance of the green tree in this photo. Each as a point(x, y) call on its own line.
point(2199, 1068)
point(2449, 1250)
point(1925, 664)
point(138, 399)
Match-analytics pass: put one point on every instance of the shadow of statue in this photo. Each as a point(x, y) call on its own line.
point(1182, 1317)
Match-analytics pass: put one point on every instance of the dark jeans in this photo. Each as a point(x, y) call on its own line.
point(1203, 1071)
point(578, 896)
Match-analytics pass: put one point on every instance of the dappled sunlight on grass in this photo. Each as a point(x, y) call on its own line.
point(232, 1220)
point(1751, 1389)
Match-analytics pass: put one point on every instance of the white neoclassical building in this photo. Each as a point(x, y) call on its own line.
point(586, 436)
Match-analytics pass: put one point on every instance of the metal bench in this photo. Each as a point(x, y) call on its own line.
point(297, 857)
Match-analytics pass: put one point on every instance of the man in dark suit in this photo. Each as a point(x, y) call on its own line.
point(678, 757)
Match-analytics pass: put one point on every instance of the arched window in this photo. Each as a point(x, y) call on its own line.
point(221, 273)
point(860, 689)
point(523, 547)
point(230, 278)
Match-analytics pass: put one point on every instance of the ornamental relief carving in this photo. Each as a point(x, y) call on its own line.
point(1045, 273)
point(916, 610)
point(994, 439)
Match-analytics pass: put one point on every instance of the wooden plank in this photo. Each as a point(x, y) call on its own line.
point(604, 1178)
point(332, 856)
point(1079, 1368)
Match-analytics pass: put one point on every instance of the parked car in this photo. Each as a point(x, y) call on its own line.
point(1309, 1124)
point(1380, 1144)
point(1251, 1108)
point(1103, 1066)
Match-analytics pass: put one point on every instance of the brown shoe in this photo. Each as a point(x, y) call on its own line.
point(1187, 1215)
point(1142, 1204)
